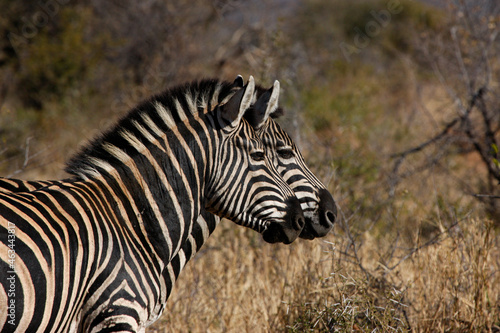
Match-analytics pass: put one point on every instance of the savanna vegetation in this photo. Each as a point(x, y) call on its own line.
point(394, 104)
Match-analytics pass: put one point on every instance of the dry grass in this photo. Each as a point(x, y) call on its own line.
point(239, 284)
point(455, 284)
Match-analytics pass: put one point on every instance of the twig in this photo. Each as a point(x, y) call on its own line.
point(27, 158)
point(432, 241)
point(459, 119)
point(486, 196)
point(428, 142)
point(353, 244)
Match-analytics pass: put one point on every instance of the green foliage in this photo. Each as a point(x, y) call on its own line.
point(495, 154)
point(348, 102)
point(392, 24)
point(57, 58)
point(317, 25)
point(371, 30)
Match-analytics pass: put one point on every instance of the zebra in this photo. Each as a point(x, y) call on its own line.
point(317, 203)
point(108, 235)
point(319, 207)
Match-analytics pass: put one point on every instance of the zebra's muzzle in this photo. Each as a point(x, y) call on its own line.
point(289, 229)
point(324, 218)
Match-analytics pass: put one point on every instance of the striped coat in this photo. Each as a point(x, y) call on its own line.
point(93, 253)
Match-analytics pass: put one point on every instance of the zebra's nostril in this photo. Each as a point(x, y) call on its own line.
point(299, 223)
point(328, 209)
point(330, 218)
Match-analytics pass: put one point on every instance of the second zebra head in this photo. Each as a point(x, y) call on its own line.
point(242, 158)
point(316, 201)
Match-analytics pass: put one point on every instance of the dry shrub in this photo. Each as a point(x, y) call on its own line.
point(448, 284)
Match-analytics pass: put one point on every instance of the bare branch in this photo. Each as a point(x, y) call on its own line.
point(441, 135)
point(431, 242)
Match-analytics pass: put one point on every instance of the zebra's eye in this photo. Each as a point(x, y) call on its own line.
point(285, 153)
point(258, 156)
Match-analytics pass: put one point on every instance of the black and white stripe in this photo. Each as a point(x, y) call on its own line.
point(96, 253)
point(316, 201)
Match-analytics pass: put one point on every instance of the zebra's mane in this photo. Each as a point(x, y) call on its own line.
point(165, 111)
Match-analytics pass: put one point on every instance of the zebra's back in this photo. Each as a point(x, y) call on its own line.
point(66, 255)
point(98, 252)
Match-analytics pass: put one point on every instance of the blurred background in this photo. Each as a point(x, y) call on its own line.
point(394, 104)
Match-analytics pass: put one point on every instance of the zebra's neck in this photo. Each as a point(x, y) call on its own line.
point(156, 161)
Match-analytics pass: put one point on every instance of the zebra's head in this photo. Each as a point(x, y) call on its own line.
point(316, 201)
point(244, 186)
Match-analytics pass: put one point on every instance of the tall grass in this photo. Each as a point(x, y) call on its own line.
point(239, 284)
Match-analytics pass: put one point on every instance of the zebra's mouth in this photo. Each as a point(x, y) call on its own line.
point(274, 229)
point(287, 229)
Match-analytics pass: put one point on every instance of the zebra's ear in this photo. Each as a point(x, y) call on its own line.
point(235, 108)
point(266, 105)
point(238, 82)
